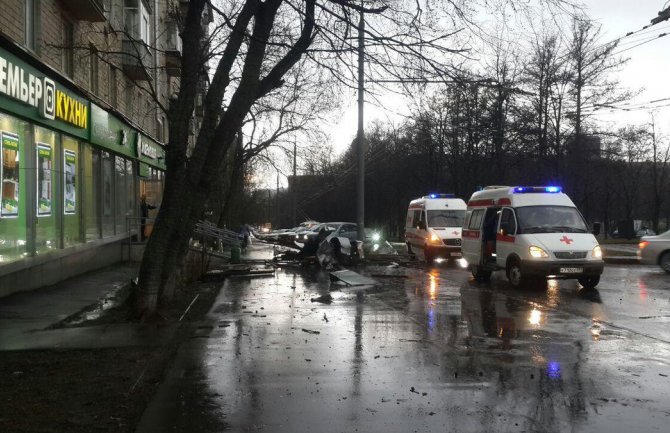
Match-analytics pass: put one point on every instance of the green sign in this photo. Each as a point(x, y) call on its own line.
point(112, 133)
point(27, 92)
point(150, 152)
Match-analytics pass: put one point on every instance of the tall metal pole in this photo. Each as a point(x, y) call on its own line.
point(295, 182)
point(360, 138)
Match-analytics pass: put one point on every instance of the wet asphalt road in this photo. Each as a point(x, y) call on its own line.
point(429, 350)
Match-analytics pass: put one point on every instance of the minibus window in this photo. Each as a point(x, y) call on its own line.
point(445, 218)
point(507, 222)
point(550, 219)
point(476, 219)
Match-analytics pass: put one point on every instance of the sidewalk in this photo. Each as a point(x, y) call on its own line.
point(25, 316)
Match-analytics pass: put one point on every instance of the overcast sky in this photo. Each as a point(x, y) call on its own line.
point(648, 68)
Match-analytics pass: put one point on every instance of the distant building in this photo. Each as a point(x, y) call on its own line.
point(81, 139)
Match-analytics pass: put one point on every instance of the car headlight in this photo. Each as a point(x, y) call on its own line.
point(305, 237)
point(537, 252)
point(434, 238)
point(597, 252)
point(376, 237)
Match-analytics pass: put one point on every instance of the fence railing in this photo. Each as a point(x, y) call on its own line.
point(136, 229)
point(210, 234)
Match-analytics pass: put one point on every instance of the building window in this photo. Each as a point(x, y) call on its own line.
point(159, 129)
point(93, 78)
point(68, 48)
point(112, 86)
point(31, 15)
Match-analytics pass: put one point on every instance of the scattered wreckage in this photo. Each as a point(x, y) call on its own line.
point(332, 245)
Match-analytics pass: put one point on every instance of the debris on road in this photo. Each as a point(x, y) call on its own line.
point(351, 278)
point(237, 270)
point(324, 299)
point(309, 331)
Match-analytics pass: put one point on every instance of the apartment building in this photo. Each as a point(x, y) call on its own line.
point(84, 85)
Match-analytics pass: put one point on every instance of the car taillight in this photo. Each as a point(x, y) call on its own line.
point(643, 244)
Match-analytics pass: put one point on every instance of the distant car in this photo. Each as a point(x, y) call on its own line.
point(655, 250)
point(645, 232)
point(339, 227)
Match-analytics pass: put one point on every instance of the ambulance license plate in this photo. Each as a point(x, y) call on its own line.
point(571, 270)
point(455, 254)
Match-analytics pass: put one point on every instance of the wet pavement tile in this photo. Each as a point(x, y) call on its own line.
point(427, 349)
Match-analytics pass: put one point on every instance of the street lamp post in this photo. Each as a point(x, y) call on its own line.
point(360, 138)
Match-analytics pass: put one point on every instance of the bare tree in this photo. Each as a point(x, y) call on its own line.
point(660, 168)
point(255, 44)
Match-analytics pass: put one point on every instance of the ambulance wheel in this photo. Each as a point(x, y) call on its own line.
point(664, 261)
point(428, 255)
point(589, 282)
point(480, 274)
point(514, 275)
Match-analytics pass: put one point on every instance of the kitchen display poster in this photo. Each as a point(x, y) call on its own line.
point(70, 164)
point(44, 191)
point(9, 173)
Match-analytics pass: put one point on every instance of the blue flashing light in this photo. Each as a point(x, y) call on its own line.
point(536, 189)
point(554, 370)
point(434, 195)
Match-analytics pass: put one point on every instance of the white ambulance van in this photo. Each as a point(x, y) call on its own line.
point(533, 233)
point(433, 227)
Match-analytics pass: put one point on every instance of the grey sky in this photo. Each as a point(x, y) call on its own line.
point(648, 68)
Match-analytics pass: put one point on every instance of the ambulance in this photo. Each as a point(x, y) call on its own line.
point(531, 232)
point(433, 227)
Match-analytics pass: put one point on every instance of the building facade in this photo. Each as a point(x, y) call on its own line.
point(84, 85)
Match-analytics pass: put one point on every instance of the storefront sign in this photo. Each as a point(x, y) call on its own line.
point(70, 110)
point(31, 94)
point(41, 93)
point(146, 149)
point(111, 132)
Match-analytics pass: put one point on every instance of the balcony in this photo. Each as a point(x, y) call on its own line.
point(136, 60)
point(86, 10)
point(173, 49)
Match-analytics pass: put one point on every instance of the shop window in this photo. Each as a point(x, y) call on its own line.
point(72, 214)
point(47, 230)
point(120, 205)
point(13, 233)
point(107, 194)
point(92, 192)
point(131, 184)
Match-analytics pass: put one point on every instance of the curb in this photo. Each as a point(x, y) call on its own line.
point(622, 260)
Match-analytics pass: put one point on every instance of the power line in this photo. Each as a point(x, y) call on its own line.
point(641, 43)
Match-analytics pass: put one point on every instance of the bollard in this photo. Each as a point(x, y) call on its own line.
point(235, 253)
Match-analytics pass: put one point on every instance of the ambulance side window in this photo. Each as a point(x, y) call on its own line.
point(507, 222)
point(466, 220)
point(476, 219)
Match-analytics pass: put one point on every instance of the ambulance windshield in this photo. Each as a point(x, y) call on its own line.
point(445, 218)
point(550, 219)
